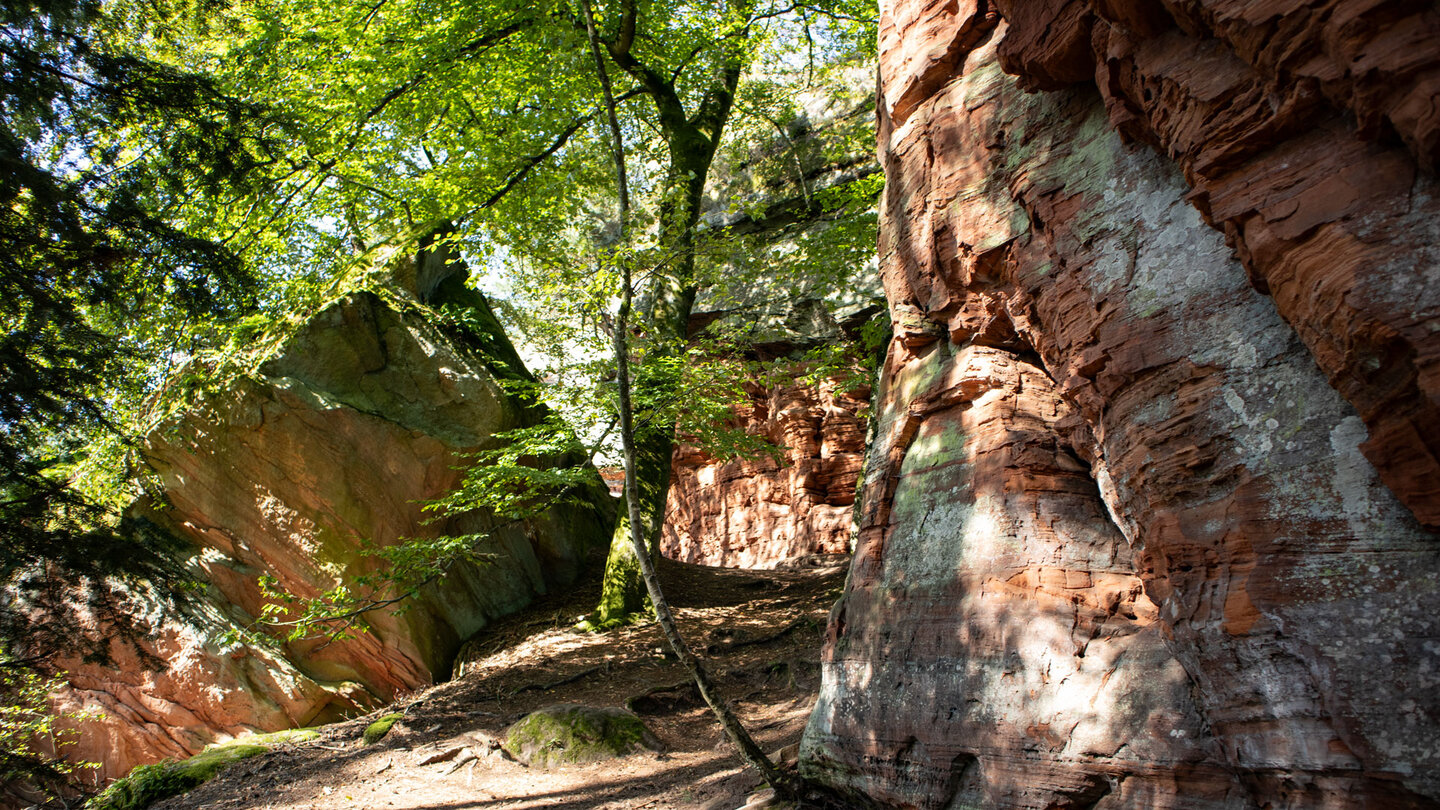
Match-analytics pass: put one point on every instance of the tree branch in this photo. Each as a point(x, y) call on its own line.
point(534, 160)
point(482, 43)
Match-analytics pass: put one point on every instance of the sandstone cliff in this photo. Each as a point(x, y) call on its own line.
point(1144, 522)
point(790, 270)
point(765, 511)
point(337, 440)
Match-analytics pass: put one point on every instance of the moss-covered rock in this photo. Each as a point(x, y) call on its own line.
point(148, 784)
point(570, 734)
point(377, 730)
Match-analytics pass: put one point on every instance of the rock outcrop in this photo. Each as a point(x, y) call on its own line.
point(333, 446)
point(763, 511)
point(796, 274)
point(1145, 520)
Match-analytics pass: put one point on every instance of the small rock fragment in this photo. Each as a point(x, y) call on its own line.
point(761, 800)
point(467, 755)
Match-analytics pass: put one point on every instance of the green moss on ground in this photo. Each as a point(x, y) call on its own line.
point(289, 736)
point(148, 784)
point(377, 730)
point(570, 734)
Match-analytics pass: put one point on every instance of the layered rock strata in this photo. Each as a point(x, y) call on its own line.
point(296, 473)
point(184, 686)
point(766, 510)
point(1308, 132)
point(791, 271)
point(1125, 534)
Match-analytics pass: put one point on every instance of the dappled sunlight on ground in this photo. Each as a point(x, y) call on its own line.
point(759, 631)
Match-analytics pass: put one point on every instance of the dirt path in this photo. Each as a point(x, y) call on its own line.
point(761, 632)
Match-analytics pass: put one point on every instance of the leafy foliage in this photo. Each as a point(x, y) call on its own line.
point(153, 217)
point(98, 148)
point(30, 734)
point(95, 145)
point(486, 114)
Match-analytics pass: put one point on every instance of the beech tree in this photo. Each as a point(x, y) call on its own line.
point(489, 114)
point(640, 548)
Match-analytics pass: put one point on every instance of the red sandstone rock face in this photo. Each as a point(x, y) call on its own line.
point(1299, 126)
point(338, 441)
point(1089, 393)
point(760, 512)
point(207, 690)
point(995, 647)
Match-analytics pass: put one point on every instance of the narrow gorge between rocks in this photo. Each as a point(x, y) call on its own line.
point(1137, 490)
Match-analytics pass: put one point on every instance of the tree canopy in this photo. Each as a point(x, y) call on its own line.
point(180, 177)
point(97, 284)
point(95, 278)
point(487, 115)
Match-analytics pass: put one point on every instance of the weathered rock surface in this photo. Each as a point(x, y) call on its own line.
point(1122, 543)
point(995, 647)
point(184, 686)
point(572, 734)
point(797, 274)
point(761, 511)
point(1284, 118)
point(337, 442)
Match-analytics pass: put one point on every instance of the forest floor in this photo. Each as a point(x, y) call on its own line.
point(759, 632)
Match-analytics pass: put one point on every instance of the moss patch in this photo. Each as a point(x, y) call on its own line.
point(571, 734)
point(289, 736)
point(376, 731)
point(148, 784)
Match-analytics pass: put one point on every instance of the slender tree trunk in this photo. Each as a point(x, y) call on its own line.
point(672, 304)
point(786, 785)
point(671, 298)
point(691, 140)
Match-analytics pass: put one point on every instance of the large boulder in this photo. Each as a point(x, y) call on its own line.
point(332, 447)
point(1126, 538)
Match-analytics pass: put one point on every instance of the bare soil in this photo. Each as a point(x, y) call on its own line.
point(759, 632)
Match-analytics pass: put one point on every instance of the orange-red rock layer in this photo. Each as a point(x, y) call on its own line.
point(1298, 598)
point(764, 510)
point(1309, 133)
